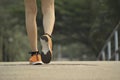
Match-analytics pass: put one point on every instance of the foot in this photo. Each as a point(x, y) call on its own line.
point(46, 53)
point(35, 58)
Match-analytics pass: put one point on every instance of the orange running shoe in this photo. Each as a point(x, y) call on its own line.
point(46, 53)
point(35, 58)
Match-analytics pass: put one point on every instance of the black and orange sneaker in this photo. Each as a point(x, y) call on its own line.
point(46, 53)
point(35, 58)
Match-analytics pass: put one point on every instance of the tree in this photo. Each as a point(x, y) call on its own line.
point(82, 27)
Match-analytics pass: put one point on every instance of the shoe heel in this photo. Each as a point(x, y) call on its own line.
point(44, 38)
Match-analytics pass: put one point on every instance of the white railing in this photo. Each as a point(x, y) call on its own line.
point(108, 54)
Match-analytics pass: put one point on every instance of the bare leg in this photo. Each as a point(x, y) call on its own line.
point(31, 26)
point(48, 23)
point(48, 15)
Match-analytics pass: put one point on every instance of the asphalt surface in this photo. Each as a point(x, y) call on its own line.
point(61, 70)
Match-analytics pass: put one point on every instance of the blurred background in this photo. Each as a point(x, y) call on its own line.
point(81, 29)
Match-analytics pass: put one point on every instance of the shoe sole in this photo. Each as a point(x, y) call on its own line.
point(36, 63)
point(45, 54)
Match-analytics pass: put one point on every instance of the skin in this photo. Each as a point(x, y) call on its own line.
point(48, 19)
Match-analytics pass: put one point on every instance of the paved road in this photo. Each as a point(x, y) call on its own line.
point(64, 70)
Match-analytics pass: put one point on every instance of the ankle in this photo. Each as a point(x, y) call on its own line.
point(34, 52)
point(48, 35)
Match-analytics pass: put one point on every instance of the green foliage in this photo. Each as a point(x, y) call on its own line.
point(81, 27)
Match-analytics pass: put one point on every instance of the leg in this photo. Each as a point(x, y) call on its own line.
point(48, 23)
point(31, 12)
point(48, 15)
point(31, 26)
